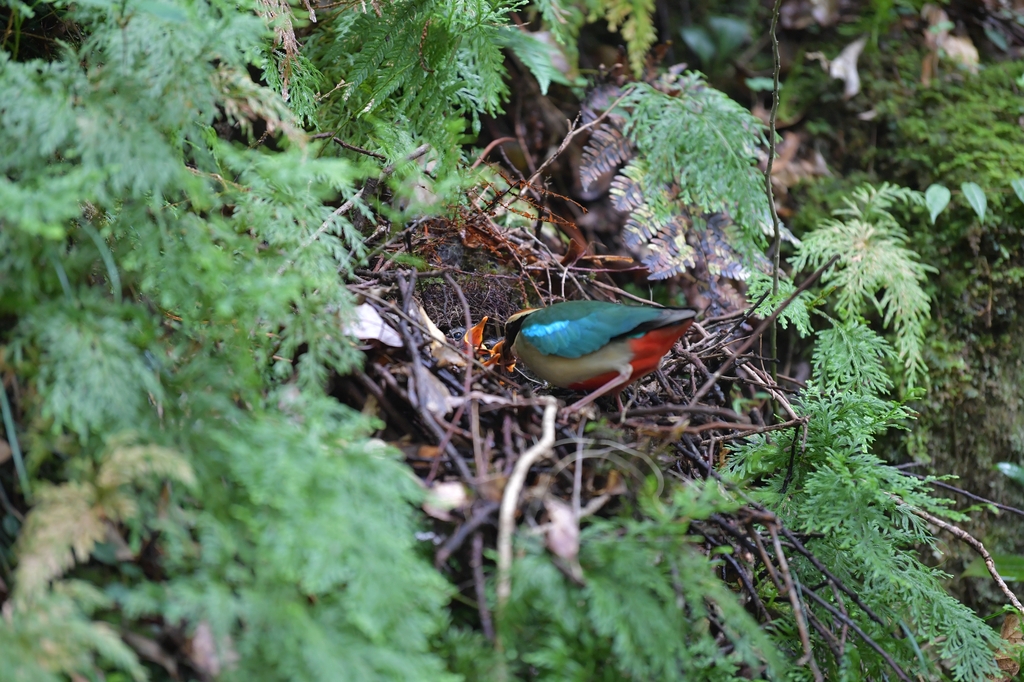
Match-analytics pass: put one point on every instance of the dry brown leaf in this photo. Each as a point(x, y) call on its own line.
point(563, 530)
point(844, 67)
point(614, 485)
point(1007, 660)
point(492, 487)
point(961, 50)
point(150, 650)
point(5, 451)
point(433, 395)
point(957, 49)
point(206, 656)
point(445, 356)
point(122, 552)
point(444, 498)
point(799, 14)
point(555, 52)
point(428, 451)
point(370, 326)
point(788, 170)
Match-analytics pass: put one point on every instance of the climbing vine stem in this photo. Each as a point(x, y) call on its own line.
point(777, 232)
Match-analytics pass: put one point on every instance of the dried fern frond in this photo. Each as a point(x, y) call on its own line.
point(49, 636)
point(63, 527)
point(641, 226)
point(670, 254)
point(68, 520)
point(711, 243)
point(627, 190)
point(606, 150)
point(136, 463)
point(688, 154)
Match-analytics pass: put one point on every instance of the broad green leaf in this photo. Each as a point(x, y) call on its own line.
point(1018, 187)
point(1009, 566)
point(540, 53)
point(975, 196)
point(936, 198)
point(698, 40)
point(1014, 471)
point(729, 34)
point(761, 84)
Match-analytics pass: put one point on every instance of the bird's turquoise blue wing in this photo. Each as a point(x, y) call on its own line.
point(576, 328)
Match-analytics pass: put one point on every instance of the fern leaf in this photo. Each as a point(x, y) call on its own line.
point(136, 463)
point(850, 356)
point(63, 527)
point(873, 258)
point(626, 191)
point(713, 247)
point(606, 150)
point(669, 255)
point(641, 226)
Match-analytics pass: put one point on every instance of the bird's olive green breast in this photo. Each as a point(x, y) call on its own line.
point(566, 372)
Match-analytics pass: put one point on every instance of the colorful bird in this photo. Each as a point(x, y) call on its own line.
point(593, 345)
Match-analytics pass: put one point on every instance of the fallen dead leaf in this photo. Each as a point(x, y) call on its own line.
point(428, 451)
point(556, 53)
point(150, 650)
point(444, 498)
point(614, 485)
point(1007, 659)
point(370, 326)
point(844, 67)
point(492, 487)
point(799, 14)
point(940, 43)
point(788, 169)
point(961, 50)
point(122, 552)
point(206, 656)
point(433, 395)
point(563, 530)
point(445, 356)
point(5, 451)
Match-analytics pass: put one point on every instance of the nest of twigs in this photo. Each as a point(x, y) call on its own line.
point(495, 450)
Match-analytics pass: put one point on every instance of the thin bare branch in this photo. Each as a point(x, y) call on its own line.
point(974, 542)
point(760, 330)
point(510, 499)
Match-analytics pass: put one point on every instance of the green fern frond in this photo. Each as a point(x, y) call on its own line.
point(760, 284)
point(635, 18)
point(838, 490)
point(700, 140)
point(850, 356)
point(873, 259)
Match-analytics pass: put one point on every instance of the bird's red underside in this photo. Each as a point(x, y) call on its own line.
point(648, 350)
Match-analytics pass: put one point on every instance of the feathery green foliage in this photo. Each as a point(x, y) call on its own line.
point(869, 535)
point(172, 311)
point(850, 356)
point(634, 19)
point(418, 67)
point(798, 313)
point(170, 284)
point(641, 613)
point(704, 144)
point(873, 258)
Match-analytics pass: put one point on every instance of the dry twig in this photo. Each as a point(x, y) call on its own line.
point(974, 542)
point(760, 330)
point(510, 499)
